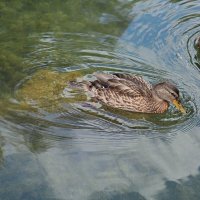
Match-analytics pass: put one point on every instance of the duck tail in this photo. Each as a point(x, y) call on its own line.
point(92, 86)
point(84, 85)
point(102, 77)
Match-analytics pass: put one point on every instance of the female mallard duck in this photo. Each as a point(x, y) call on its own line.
point(197, 42)
point(133, 93)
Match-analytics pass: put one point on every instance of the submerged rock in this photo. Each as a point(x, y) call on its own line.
point(45, 89)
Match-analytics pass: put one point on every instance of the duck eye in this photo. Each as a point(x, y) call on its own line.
point(174, 95)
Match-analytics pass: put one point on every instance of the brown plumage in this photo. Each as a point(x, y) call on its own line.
point(133, 93)
point(197, 42)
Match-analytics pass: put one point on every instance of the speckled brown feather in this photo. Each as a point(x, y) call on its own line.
point(127, 92)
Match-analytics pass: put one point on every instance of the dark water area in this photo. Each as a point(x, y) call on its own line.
point(57, 144)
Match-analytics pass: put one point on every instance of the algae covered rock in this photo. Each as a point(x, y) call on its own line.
point(46, 89)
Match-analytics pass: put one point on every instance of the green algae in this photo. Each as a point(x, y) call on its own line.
point(56, 16)
point(21, 20)
point(45, 89)
point(9, 63)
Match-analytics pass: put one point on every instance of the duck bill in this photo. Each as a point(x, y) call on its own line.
point(179, 106)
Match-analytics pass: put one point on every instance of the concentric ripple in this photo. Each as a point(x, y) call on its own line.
point(58, 107)
point(157, 45)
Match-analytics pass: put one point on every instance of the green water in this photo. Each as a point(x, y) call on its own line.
point(57, 144)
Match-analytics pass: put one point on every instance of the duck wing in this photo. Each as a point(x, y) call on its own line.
point(124, 84)
point(138, 80)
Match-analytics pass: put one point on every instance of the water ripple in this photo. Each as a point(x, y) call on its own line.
point(109, 55)
point(158, 44)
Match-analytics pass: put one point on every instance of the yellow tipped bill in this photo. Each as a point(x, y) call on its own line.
point(179, 106)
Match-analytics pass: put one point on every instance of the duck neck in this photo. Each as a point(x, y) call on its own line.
point(160, 105)
point(156, 97)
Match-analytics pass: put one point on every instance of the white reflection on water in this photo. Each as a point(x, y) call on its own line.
point(79, 171)
point(95, 160)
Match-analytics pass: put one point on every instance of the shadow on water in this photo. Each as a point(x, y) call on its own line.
point(114, 195)
point(181, 189)
point(23, 174)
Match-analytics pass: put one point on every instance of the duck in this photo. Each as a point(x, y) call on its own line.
point(197, 42)
point(132, 93)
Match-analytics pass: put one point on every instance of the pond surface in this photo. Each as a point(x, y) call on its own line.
point(54, 142)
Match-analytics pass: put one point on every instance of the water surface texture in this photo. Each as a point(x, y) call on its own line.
point(57, 144)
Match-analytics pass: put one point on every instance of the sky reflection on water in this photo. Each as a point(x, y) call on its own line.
point(53, 148)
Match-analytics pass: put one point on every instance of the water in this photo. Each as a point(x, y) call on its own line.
point(54, 143)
